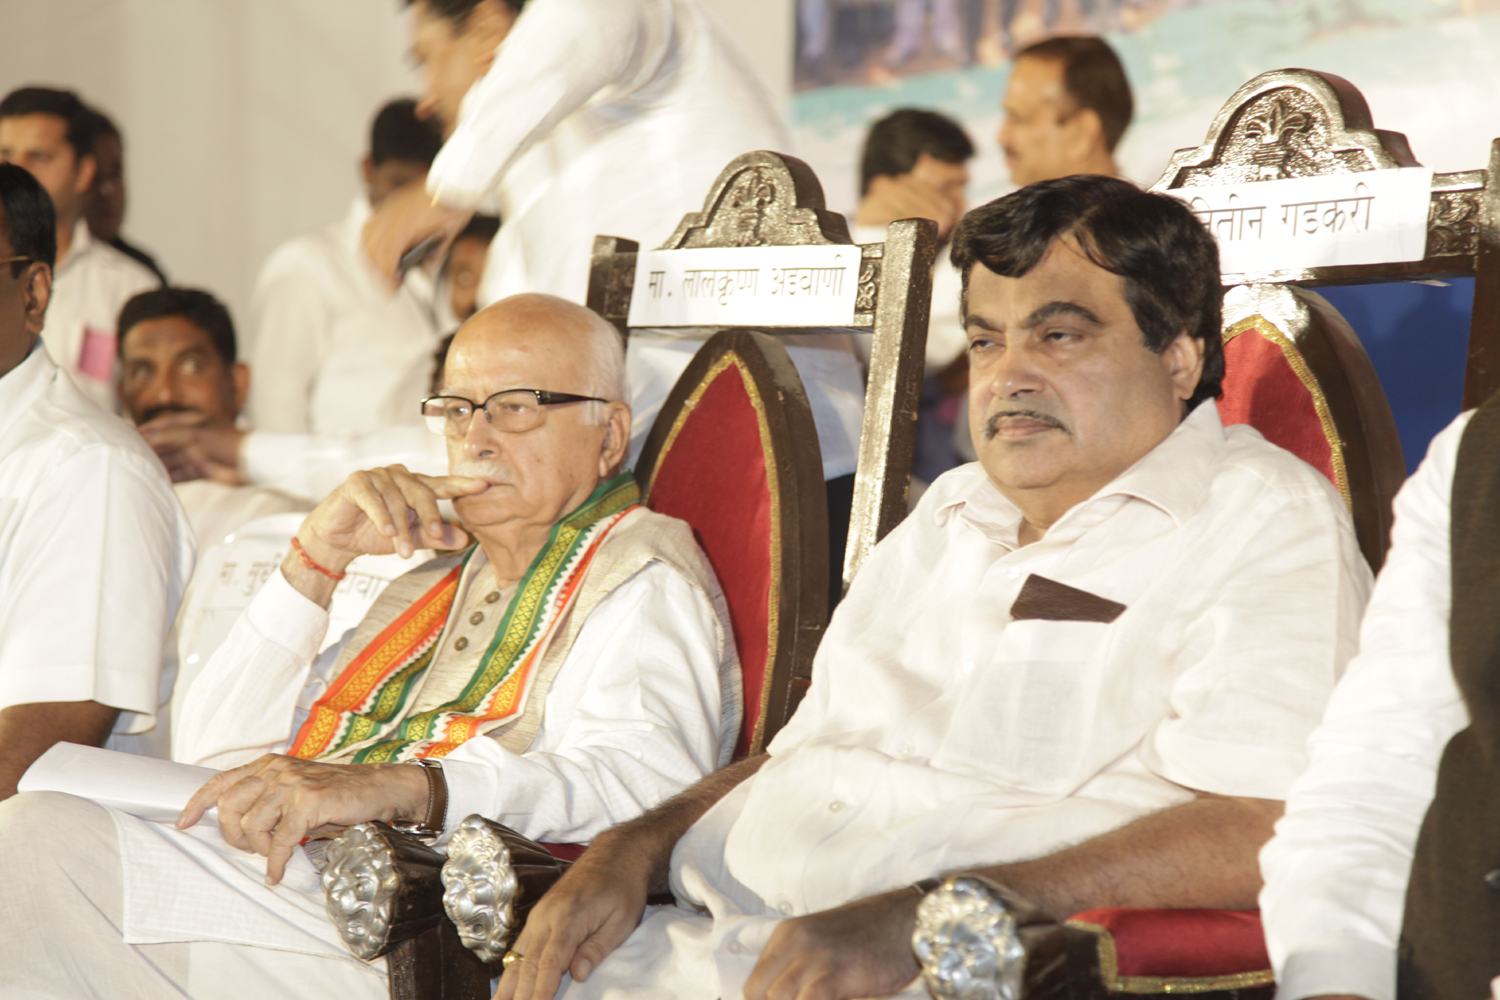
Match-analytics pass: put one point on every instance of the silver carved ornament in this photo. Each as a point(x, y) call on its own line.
point(360, 885)
point(967, 942)
point(479, 889)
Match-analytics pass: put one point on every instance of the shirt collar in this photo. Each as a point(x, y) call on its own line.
point(1172, 477)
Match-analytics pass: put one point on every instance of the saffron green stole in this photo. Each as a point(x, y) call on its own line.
point(363, 710)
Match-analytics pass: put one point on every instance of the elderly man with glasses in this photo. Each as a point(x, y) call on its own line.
point(565, 665)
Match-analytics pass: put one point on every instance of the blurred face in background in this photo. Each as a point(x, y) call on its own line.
point(453, 56)
point(39, 144)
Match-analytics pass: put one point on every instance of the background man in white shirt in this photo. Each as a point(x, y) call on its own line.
point(1093, 657)
point(335, 351)
point(178, 356)
point(573, 668)
point(1066, 106)
point(94, 552)
point(51, 134)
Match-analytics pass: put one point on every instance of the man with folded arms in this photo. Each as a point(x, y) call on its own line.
point(1085, 666)
point(572, 669)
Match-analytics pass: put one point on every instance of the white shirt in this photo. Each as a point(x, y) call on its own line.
point(215, 510)
point(94, 551)
point(941, 733)
point(632, 716)
point(1337, 869)
point(331, 350)
point(89, 287)
point(614, 117)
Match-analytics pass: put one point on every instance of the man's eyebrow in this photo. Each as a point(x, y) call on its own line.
point(972, 320)
point(1060, 308)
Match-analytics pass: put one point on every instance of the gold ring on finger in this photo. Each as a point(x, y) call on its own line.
point(510, 958)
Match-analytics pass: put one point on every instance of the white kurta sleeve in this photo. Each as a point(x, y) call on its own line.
point(1337, 869)
point(257, 687)
point(291, 324)
point(91, 583)
point(632, 718)
point(560, 56)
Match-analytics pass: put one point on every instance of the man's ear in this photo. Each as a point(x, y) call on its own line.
point(616, 439)
point(489, 23)
point(38, 293)
point(87, 168)
point(1085, 132)
point(1183, 360)
point(239, 372)
point(367, 171)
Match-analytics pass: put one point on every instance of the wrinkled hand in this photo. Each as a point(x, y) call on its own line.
point(193, 447)
point(585, 916)
point(381, 511)
point(405, 218)
point(269, 806)
point(860, 949)
point(905, 197)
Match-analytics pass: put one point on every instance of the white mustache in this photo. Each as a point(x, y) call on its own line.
point(490, 471)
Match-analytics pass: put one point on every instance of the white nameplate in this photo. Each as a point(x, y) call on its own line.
point(1373, 217)
point(746, 286)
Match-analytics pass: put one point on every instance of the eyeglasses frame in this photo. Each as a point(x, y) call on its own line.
point(544, 397)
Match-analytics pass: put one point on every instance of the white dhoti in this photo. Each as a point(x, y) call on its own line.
point(72, 882)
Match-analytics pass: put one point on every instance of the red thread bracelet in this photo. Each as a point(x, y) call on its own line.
point(311, 563)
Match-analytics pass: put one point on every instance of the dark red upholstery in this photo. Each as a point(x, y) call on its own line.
point(1154, 951)
point(1262, 389)
point(712, 474)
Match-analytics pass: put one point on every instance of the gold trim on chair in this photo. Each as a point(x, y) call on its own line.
point(1109, 971)
point(1289, 350)
point(773, 486)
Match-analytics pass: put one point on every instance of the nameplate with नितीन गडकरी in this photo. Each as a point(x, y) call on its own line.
point(802, 286)
point(1369, 217)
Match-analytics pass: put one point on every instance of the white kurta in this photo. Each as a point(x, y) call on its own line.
point(614, 117)
point(94, 551)
point(1337, 869)
point(941, 733)
point(90, 286)
point(215, 510)
point(633, 715)
point(331, 350)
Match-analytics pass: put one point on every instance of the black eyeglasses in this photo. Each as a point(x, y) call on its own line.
point(512, 410)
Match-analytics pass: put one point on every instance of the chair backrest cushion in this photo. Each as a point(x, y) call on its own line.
point(1178, 951)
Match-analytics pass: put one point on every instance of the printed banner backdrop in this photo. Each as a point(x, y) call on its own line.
point(1428, 68)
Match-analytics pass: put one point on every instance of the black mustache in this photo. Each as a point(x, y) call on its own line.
point(157, 411)
point(992, 425)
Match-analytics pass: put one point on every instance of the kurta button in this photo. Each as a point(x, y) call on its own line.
point(835, 806)
point(1492, 879)
point(1013, 572)
point(785, 908)
point(476, 618)
point(735, 947)
point(462, 643)
point(492, 597)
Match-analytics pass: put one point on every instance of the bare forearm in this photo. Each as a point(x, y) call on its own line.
point(653, 834)
point(1199, 854)
point(28, 731)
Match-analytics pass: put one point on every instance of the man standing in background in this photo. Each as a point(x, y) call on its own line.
point(105, 207)
point(1066, 106)
point(51, 134)
point(335, 353)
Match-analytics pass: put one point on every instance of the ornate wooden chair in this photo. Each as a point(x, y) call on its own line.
point(769, 201)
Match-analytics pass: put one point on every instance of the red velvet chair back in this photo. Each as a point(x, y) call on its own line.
point(1297, 373)
point(734, 454)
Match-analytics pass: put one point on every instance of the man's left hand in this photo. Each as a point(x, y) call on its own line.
point(271, 805)
point(860, 949)
point(192, 448)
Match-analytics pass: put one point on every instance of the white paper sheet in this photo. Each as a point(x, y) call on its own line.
point(749, 286)
point(142, 786)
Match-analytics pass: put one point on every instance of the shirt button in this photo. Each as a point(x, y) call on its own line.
point(785, 908)
point(1014, 572)
point(735, 947)
point(492, 597)
point(462, 643)
point(1492, 879)
point(835, 806)
point(476, 618)
point(908, 750)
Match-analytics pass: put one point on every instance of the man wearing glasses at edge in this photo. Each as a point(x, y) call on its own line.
point(583, 637)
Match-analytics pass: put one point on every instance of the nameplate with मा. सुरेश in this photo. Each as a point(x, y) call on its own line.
point(804, 286)
point(1370, 217)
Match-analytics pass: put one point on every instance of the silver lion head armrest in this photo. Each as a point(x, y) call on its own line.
point(491, 880)
point(382, 887)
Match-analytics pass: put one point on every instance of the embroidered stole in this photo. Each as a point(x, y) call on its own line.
point(362, 712)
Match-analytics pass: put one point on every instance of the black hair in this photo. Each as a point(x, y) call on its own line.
point(894, 143)
point(1093, 76)
point(398, 134)
point(194, 305)
point(481, 227)
point(30, 221)
point(1169, 261)
point(458, 11)
point(82, 121)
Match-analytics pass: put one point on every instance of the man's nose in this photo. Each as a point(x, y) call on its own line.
point(1015, 373)
point(481, 440)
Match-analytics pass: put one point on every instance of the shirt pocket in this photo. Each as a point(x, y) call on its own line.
point(1027, 714)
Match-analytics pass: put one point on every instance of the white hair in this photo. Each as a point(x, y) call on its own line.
point(604, 365)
